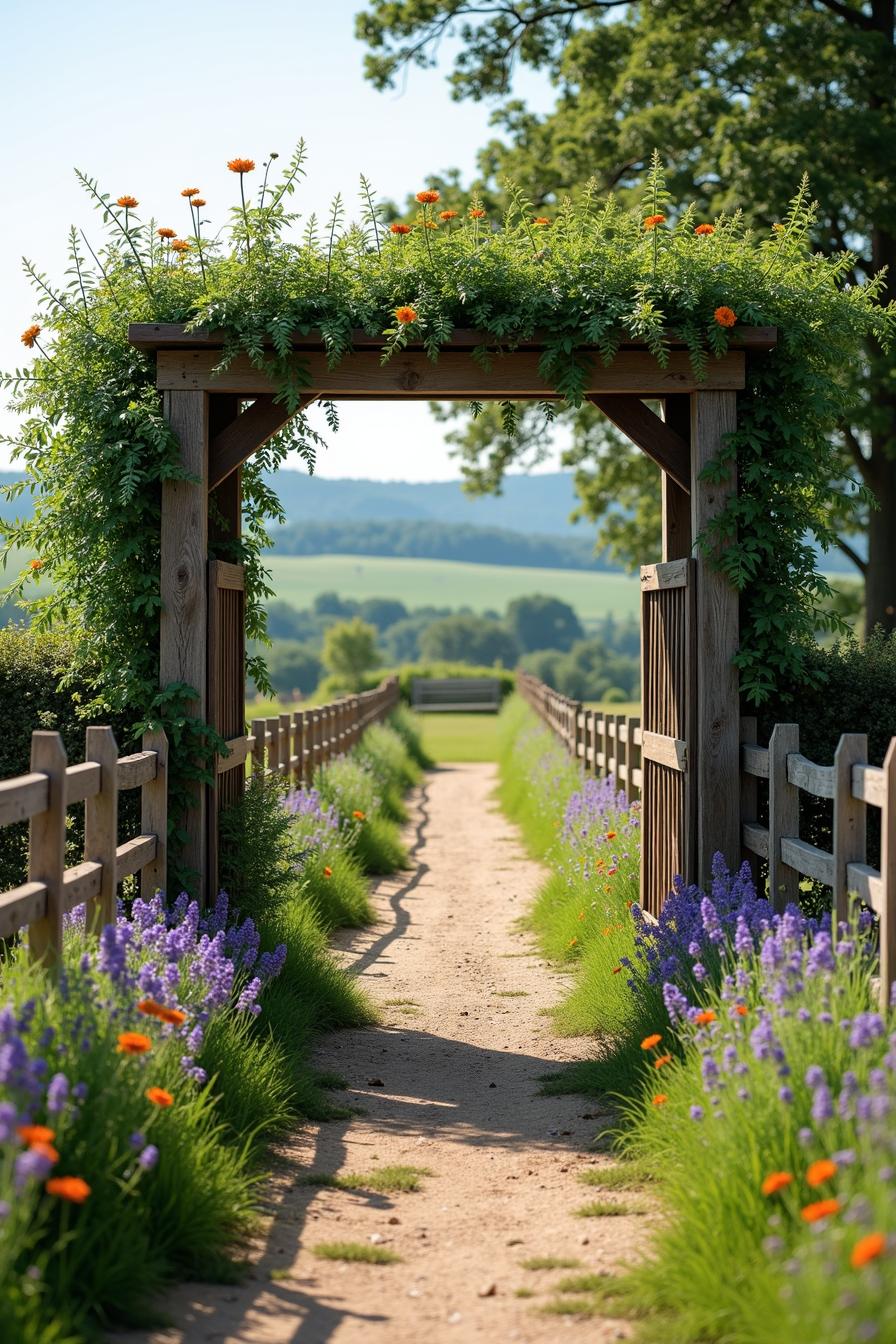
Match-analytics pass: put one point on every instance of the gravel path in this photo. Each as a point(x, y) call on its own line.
point(447, 1083)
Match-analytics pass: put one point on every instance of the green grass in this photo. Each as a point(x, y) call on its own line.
point(619, 1176)
point(460, 737)
point(581, 1283)
point(550, 1262)
point(386, 1181)
point(298, 579)
point(355, 1252)
point(606, 1208)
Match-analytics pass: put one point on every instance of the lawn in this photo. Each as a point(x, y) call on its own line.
point(460, 737)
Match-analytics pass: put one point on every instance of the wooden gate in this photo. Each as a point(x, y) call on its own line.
point(668, 699)
point(226, 690)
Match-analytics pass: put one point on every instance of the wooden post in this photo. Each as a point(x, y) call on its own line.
point(259, 732)
point(273, 727)
point(46, 848)
point(676, 502)
point(607, 748)
point(716, 751)
point(297, 775)
point(154, 816)
point(101, 820)
point(632, 760)
point(749, 794)
point(184, 554)
point(578, 735)
point(849, 817)
point(887, 912)
point(783, 814)
point(285, 746)
point(621, 753)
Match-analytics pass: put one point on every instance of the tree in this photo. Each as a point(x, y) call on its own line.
point(382, 611)
point(741, 97)
point(350, 651)
point(293, 667)
point(331, 604)
point(541, 622)
point(469, 639)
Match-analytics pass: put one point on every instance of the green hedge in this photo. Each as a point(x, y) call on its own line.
point(332, 686)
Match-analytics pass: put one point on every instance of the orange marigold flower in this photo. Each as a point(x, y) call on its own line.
point(726, 317)
point(133, 1043)
point(610, 835)
point(819, 1172)
point(824, 1208)
point(358, 814)
point(652, 221)
point(477, 214)
point(167, 233)
point(740, 1009)
point(405, 315)
point(35, 564)
point(867, 1248)
point(541, 221)
point(190, 191)
point(46, 1150)
point(30, 335)
point(240, 165)
point(775, 1181)
point(705, 229)
point(611, 872)
point(399, 228)
point(445, 215)
point(180, 245)
point(328, 871)
point(430, 224)
point(149, 1007)
point(659, 1099)
point(197, 202)
point(703, 1019)
point(159, 1097)
point(650, 1041)
point(661, 1060)
point(581, 915)
point(616, 970)
point(173, 1017)
point(71, 1188)
point(427, 197)
point(32, 1134)
point(128, 202)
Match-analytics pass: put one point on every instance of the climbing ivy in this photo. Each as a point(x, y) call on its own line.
point(95, 445)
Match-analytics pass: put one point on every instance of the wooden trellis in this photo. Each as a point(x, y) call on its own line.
point(222, 417)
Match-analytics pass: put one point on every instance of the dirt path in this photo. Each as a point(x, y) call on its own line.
point(446, 1083)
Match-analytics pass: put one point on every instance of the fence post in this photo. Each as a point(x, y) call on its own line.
point(632, 759)
point(46, 848)
point(749, 792)
point(621, 754)
point(849, 828)
point(154, 816)
point(608, 755)
point(259, 730)
point(101, 820)
point(297, 772)
point(273, 727)
point(285, 745)
point(783, 814)
point(577, 735)
point(887, 912)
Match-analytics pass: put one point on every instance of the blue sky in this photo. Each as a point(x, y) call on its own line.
point(152, 97)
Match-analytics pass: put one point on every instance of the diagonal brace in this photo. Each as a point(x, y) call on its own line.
point(245, 435)
point(651, 434)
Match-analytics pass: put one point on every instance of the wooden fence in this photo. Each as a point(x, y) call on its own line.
point(606, 744)
point(42, 798)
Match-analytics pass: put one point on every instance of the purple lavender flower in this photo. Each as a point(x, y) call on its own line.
point(57, 1093)
point(148, 1157)
point(32, 1165)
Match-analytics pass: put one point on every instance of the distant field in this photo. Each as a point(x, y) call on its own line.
point(297, 579)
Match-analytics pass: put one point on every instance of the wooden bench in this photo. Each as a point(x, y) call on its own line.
point(456, 694)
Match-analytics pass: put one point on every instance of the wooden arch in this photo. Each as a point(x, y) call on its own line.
point(690, 714)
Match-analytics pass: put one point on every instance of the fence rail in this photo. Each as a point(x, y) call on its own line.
point(42, 798)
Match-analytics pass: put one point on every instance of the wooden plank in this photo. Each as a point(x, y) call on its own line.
point(22, 906)
point(887, 906)
point(753, 759)
point(133, 854)
point(849, 825)
point(783, 815)
point(82, 781)
point(240, 747)
point(136, 770)
point(84, 883)
point(184, 620)
point(868, 784)
point(230, 448)
point(676, 502)
point(811, 778)
point(868, 884)
point(23, 797)
point(101, 820)
point(755, 838)
point(454, 374)
point(230, 576)
point(633, 753)
point(259, 742)
point(285, 744)
point(154, 815)
point(652, 435)
point(808, 859)
point(46, 849)
point(174, 335)
point(716, 747)
point(669, 574)
point(749, 792)
point(665, 750)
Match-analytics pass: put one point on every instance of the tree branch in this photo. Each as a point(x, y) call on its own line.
point(853, 555)
point(854, 16)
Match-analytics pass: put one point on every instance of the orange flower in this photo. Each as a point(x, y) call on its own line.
point(149, 1007)
point(133, 1043)
point(128, 202)
point(616, 970)
point(172, 1016)
point(705, 229)
point(824, 1208)
point(328, 871)
point(610, 835)
point(46, 1150)
point(725, 317)
point(427, 197)
point(71, 1188)
point(159, 1097)
point(240, 165)
point(32, 1134)
point(704, 1018)
point(867, 1248)
point(822, 1170)
point(405, 315)
point(445, 215)
point(477, 214)
point(581, 915)
point(541, 222)
point(660, 1099)
point(650, 1041)
point(197, 202)
point(167, 233)
point(775, 1181)
point(740, 1009)
point(661, 1060)
point(30, 335)
point(180, 245)
point(35, 565)
point(399, 228)
point(611, 872)
point(651, 222)
point(191, 191)
point(572, 942)
point(358, 814)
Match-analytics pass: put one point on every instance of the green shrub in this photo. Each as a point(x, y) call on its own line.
point(331, 687)
point(373, 838)
point(410, 730)
point(258, 852)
